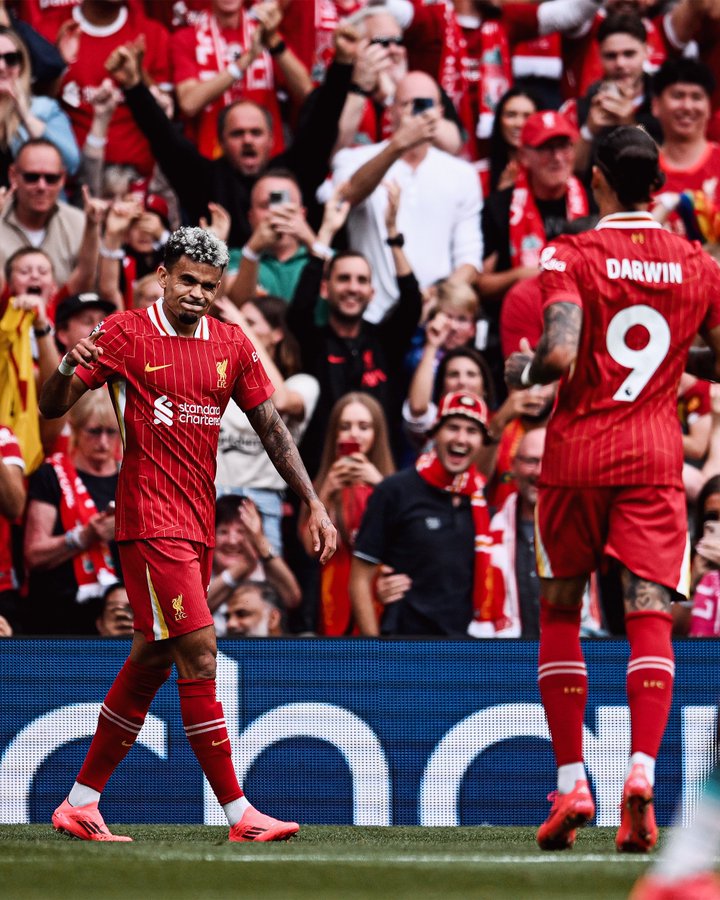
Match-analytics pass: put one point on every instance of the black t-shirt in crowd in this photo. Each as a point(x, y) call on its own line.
point(428, 534)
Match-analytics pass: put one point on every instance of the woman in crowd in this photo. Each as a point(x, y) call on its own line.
point(511, 114)
point(243, 465)
point(461, 369)
point(356, 457)
point(70, 555)
point(23, 116)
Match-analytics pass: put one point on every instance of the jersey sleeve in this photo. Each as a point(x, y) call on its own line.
point(111, 364)
point(252, 385)
point(560, 265)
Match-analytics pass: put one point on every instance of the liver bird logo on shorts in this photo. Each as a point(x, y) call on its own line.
point(222, 373)
point(177, 604)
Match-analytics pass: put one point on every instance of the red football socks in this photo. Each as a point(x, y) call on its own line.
point(562, 679)
point(205, 728)
point(650, 674)
point(121, 718)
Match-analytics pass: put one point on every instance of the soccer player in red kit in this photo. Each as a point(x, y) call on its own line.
point(622, 305)
point(171, 371)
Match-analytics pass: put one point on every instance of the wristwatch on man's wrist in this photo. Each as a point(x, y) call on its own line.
point(397, 241)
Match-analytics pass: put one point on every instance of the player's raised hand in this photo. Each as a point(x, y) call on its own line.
point(86, 352)
point(322, 532)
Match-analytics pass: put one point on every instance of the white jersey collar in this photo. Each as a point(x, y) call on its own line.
point(633, 219)
point(156, 314)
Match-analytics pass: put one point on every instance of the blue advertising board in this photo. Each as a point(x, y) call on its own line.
point(350, 731)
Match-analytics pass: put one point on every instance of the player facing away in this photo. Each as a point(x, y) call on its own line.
point(171, 371)
point(622, 305)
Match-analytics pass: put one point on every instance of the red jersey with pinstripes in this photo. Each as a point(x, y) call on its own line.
point(169, 394)
point(644, 294)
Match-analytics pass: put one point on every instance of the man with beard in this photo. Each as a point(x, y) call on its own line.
point(350, 354)
point(254, 610)
point(246, 139)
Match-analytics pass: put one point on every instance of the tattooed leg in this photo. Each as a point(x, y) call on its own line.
point(641, 595)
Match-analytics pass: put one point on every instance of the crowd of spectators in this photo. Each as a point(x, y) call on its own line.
point(386, 175)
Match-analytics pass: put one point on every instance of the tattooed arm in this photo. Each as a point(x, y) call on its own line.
point(555, 351)
point(281, 449)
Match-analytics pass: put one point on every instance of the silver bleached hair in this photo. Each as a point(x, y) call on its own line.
point(199, 245)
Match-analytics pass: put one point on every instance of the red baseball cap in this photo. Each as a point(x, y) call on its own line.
point(462, 403)
point(545, 125)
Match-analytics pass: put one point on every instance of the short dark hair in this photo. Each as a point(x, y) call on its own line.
point(630, 161)
point(226, 110)
point(345, 254)
point(227, 509)
point(476, 356)
point(683, 71)
point(622, 23)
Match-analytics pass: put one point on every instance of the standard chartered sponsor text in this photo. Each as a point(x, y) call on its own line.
point(195, 414)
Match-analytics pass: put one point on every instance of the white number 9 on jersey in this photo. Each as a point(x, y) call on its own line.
point(643, 363)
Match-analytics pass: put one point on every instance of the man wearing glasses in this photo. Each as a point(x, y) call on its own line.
point(37, 217)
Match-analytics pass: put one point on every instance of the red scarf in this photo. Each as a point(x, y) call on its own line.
point(335, 614)
point(488, 602)
point(482, 77)
point(527, 232)
point(93, 567)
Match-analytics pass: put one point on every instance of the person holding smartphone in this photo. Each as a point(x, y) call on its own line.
point(623, 95)
point(356, 457)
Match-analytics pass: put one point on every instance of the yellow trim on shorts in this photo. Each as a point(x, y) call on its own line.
point(160, 629)
point(542, 560)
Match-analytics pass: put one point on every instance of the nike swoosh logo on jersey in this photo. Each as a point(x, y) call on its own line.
point(217, 743)
point(149, 368)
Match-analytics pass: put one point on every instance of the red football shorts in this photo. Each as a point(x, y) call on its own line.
point(643, 527)
point(167, 581)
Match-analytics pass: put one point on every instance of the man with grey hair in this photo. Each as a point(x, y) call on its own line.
point(172, 371)
point(254, 609)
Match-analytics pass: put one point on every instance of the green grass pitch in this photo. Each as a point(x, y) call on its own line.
point(321, 863)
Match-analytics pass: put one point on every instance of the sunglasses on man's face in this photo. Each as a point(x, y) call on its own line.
point(387, 41)
point(713, 515)
point(34, 177)
point(11, 58)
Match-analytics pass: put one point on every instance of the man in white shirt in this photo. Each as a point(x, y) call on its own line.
point(439, 216)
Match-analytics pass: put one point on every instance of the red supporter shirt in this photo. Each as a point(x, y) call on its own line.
point(201, 51)
point(169, 394)
point(703, 176)
point(644, 293)
point(126, 144)
point(11, 456)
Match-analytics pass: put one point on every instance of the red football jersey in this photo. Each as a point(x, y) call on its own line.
point(169, 394)
point(11, 456)
point(644, 294)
